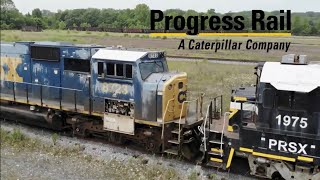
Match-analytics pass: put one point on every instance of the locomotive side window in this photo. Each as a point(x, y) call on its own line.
point(45, 53)
point(129, 71)
point(101, 69)
point(110, 69)
point(119, 70)
point(78, 65)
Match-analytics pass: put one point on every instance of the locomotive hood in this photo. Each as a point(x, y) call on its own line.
point(164, 92)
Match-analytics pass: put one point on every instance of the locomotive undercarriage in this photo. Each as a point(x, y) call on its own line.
point(267, 168)
point(146, 136)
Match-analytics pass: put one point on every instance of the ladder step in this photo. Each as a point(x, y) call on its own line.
point(176, 131)
point(214, 164)
point(215, 131)
point(215, 142)
point(217, 150)
point(215, 153)
point(172, 151)
point(173, 141)
point(216, 160)
point(189, 140)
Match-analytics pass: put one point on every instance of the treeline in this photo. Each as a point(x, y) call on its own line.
point(85, 19)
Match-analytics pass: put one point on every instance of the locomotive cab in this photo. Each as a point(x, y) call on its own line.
point(282, 136)
point(136, 84)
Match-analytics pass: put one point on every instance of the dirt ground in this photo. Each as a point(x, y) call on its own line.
point(299, 45)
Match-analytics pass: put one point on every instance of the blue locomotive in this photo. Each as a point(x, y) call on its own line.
point(95, 90)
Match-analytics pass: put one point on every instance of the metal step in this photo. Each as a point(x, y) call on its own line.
point(175, 131)
point(215, 142)
point(218, 160)
point(173, 141)
point(215, 153)
point(172, 151)
point(189, 140)
point(214, 164)
point(215, 131)
point(216, 150)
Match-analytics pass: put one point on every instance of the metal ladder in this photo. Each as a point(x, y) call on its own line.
point(214, 143)
point(179, 135)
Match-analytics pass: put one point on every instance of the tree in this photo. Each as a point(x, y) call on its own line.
point(7, 5)
point(142, 15)
point(318, 26)
point(37, 13)
point(62, 25)
point(85, 26)
point(297, 25)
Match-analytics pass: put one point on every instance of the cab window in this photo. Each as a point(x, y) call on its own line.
point(150, 67)
point(119, 70)
point(101, 69)
point(110, 69)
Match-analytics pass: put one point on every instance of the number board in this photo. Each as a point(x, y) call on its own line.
point(292, 121)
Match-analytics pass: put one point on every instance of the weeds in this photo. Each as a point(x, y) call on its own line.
point(214, 79)
point(54, 138)
point(193, 175)
point(133, 168)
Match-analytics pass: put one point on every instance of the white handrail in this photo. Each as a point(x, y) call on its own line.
point(184, 102)
point(204, 129)
point(222, 132)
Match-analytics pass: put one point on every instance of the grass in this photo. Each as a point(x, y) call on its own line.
point(299, 44)
point(133, 168)
point(214, 79)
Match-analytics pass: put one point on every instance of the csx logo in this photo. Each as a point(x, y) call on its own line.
point(182, 96)
point(291, 147)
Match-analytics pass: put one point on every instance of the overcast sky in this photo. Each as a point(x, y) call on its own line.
point(199, 5)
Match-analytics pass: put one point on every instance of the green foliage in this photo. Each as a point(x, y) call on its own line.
point(37, 13)
point(54, 138)
point(62, 25)
point(85, 26)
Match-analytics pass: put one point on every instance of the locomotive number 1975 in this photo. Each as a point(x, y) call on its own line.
point(292, 121)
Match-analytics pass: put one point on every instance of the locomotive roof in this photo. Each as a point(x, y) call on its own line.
point(119, 55)
point(287, 77)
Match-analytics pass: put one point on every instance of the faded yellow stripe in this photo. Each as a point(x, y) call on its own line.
point(216, 160)
point(306, 159)
point(274, 156)
point(230, 158)
point(246, 149)
point(238, 98)
point(233, 112)
point(230, 128)
point(225, 34)
point(167, 34)
point(216, 150)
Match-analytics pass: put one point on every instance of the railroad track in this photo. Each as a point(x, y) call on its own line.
point(214, 60)
point(135, 150)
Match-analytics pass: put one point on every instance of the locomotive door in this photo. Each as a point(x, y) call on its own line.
point(75, 83)
point(46, 83)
